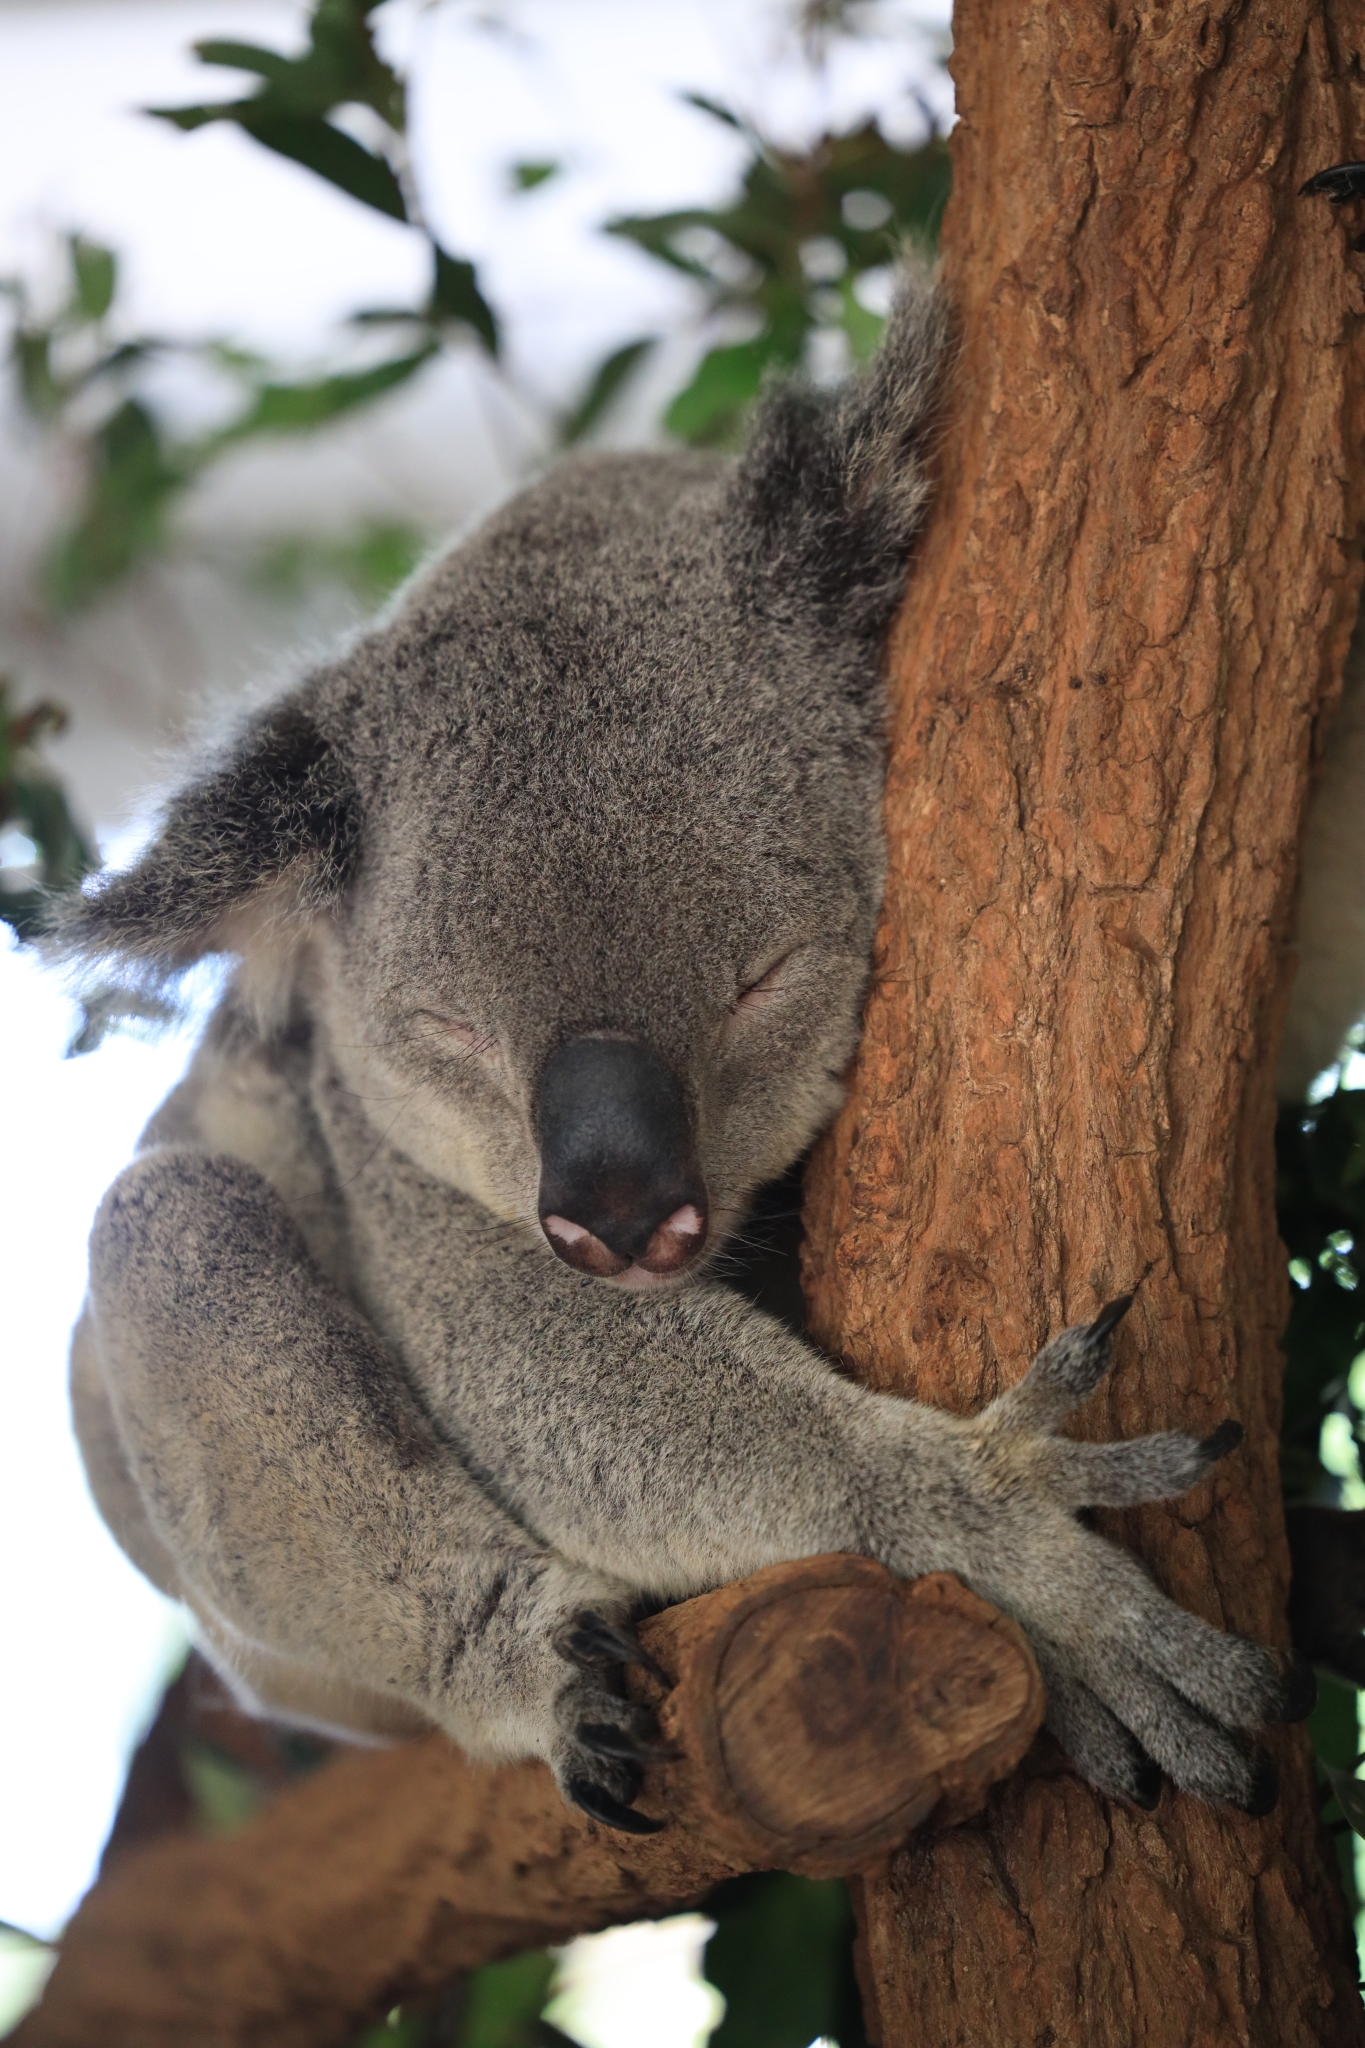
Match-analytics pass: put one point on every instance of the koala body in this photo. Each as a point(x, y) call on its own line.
point(408, 1361)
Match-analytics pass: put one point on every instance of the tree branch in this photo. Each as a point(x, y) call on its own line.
point(821, 1711)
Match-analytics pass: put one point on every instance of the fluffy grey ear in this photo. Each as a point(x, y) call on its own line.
point(277, 823)
point(826, 500)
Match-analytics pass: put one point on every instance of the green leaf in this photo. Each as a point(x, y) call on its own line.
point(267, 64)
point(305, 139)
point(455, 295)
point(504, 2001)
point(295, 408)
point(1349, 1793)
point(708, 413)
point(716, 110)
point(339, 158)
point(31, 359)
point(781, 1957)
point(526, 177)
point(609, 379)
point(132, 476)
point(288, 113)
point(372, 561)
point(94, 274)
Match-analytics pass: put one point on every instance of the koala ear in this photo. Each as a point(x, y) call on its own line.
point(275, 828)
point(827, 498)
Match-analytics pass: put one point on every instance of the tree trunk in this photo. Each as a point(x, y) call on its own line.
point(1128, 619)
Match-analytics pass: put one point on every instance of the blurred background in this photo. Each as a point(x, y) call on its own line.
point(365, 270)
point(290, 290)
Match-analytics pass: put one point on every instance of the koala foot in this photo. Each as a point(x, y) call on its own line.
point(605, 1740)
point(1137, 1688)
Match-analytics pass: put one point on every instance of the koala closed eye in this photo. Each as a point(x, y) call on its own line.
point(760, 992)
point(458, 1033)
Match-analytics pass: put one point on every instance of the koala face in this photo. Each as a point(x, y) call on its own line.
point(601, 961)
point(578, 855)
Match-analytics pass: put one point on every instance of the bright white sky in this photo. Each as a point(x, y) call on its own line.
point(218, 237)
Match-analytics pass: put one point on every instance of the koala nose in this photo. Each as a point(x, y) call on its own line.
point(619, 1181)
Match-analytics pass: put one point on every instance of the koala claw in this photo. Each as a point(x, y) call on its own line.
point(1220, 1441)
point(600, 1805)
point(595, 1643)
point(608, 1738)
point(1299, 1692)
point(1136, 1686)
point(1109, 1317)
point(1339, 183)
point(1264, 1784)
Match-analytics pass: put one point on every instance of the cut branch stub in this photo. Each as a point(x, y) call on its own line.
point(825, 1709)
point(822, 1711)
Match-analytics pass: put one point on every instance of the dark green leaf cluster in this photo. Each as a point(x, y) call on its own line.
point(291, 112)
point(32, 803)
point(1320, 1197)
point(787, 257)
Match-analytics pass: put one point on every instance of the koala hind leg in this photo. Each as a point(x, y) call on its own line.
point(317, 1520)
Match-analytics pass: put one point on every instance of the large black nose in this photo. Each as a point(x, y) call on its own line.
point(619, 1181)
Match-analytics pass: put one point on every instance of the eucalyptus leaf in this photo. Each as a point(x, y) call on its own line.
point(455, 295)
point(711, 408)
point(295, 408)
point(132, 475)
point(527, 176)
point(781, 1957)
point(608, 381)
point(1349, 1793)
point(94, 274)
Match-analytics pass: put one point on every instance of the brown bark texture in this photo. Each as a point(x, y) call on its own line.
point(819, 1713)
point(1125, 628)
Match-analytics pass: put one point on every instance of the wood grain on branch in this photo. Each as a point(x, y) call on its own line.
point(820, 1712)
point(1126, 626)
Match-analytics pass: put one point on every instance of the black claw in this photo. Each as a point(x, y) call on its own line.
point(1265, 1785)
point(595, 1643)
point(600, 1806)
point(1220, 1441)
point(1145, 1789)
point(1298, 1694)
point(1109, 1318)
point(1339, 183)
point(604, 1738)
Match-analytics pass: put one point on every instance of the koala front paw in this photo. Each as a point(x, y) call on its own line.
point(604, 1740)
point(1136, 1686)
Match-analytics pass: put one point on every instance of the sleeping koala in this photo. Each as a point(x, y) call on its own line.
point(406, 1361)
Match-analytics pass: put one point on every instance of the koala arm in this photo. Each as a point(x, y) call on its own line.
point(309, 1506)
point(678, 1441)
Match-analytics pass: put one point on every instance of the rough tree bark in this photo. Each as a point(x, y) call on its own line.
point(1126, 626)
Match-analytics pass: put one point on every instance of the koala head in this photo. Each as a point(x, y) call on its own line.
point(577, 856)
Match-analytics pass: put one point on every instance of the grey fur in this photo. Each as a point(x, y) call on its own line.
point(610, 763)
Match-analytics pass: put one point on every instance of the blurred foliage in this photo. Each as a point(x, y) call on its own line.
point(785, 261)
point(1320, 1202)
point(800, 256)
point(781, 1957)
point(1320, 1196)
point(74, 376)
point(372, 560)
point(41, 847)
